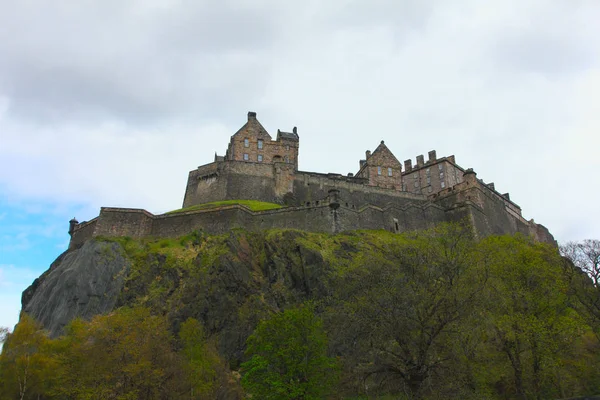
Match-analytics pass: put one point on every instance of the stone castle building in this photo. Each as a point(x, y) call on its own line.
point(383, 194)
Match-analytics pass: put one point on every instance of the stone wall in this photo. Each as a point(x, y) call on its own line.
point(484, 207)
point(135, 223)
point(84, 231)
point(311, 187)
point(325, 217)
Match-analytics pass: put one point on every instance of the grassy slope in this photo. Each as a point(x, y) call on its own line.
point(254, 205)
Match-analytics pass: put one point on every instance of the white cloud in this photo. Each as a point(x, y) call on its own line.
point(117, 114)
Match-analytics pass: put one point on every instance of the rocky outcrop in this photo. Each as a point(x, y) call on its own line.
point(81, 283)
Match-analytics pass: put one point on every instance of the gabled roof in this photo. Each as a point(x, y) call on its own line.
point(253, 127)
point(382, 151)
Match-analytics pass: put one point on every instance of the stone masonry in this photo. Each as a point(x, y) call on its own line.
point(381, 195)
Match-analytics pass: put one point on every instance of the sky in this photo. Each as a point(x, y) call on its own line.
point(113, 102)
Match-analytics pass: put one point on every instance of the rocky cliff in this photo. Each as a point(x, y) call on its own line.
point(228, 282)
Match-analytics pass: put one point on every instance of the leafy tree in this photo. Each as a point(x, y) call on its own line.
point(527, 315)
point(123, 355)
point(27, 365)
point(201, 360)
point(404, 314)
point(288, 358)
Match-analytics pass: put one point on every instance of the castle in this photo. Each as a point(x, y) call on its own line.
point(383, 194)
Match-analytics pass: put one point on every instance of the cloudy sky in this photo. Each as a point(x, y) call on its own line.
point(112, 102)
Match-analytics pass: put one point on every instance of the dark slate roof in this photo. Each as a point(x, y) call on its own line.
point(287, 135)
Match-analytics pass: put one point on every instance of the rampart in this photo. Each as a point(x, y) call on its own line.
point(380, 196)
point(471, 201)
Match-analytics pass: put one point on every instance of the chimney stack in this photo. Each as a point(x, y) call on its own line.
point(420, 160)
point(251, 115)
point(408, 165)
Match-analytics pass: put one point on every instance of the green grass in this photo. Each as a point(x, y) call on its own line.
point(254, 205)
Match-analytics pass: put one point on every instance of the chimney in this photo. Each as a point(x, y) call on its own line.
point(408, 165)
point(432, 156)
point(420, 160)
point(368, 154)
point(251, 115)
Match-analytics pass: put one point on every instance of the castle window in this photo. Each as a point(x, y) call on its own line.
point(287, 147)
point(443, 184)
point(429, 189)
point(260, 144)
point(416, 184)
point(427, 172)
point(287, 159)
point(260, 158)
point(378, 170)
point(246, 143)
point(441, 167)
point(389, 172)
point(246, 158)
point(428, 180)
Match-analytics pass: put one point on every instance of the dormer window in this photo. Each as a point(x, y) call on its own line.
point(246, 143)
point(378, 170)
point(260, 143)
point(389, 172)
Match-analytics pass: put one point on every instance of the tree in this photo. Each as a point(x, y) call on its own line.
point(288, 358)
point(403, 313)
point(27, 364)
point(527, 315)
point(583, 272)
point(201, 360)
point(122, 355)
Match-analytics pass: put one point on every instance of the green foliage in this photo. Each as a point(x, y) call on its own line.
point(420, 315)
point(27, 366)
point(123, 355)
point(201, 360)
point(288, 358)
point(253, 205)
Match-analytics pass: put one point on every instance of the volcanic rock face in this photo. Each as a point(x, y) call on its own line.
point(80, 283)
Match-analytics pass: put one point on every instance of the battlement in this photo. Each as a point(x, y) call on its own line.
point(383, 194)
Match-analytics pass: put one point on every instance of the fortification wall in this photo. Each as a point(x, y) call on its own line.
point(310, 187)
point(123, 222)
point(137, 223)
point(205, 185)
point(84, 231)
point(231, 180)
point(485, 209)
point(279, 183)
point(223, 219)
point(250, 181)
